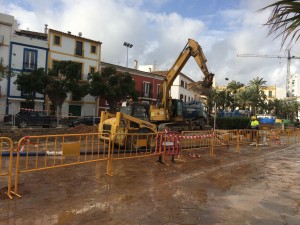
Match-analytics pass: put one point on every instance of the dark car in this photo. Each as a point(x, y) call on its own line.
point(27, 118)
point(88, 121)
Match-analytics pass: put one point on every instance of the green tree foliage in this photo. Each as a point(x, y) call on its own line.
point(5, 72)
point(30, 83)
point(65, 77)
point(284, 20)
point(258, 97)
point(231, 92)
point(62, 79)
point(112, 86)
point(243, 98)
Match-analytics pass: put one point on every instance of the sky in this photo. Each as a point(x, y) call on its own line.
point(160, 29)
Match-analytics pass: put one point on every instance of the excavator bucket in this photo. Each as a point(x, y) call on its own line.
point(199, 88)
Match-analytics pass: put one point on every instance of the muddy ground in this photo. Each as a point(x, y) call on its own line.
point(252, 187)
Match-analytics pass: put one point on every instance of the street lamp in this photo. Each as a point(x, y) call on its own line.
point(127, 45)
point(226, 92)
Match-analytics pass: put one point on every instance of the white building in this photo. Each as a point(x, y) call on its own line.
point(294, 86)
point(7, 27)
point(24, 51)
point(179, 88)
point(28, 51)
point(67, 46)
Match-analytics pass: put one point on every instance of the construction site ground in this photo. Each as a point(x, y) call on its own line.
point(253, 187)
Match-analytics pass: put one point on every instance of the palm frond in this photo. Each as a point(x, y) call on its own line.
point(285, 19)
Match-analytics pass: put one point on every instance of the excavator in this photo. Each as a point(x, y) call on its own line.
point(168, 113)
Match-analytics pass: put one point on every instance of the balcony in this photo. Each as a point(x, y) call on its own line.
point(79, 52)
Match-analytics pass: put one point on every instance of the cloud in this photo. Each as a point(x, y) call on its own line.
point(159, 34)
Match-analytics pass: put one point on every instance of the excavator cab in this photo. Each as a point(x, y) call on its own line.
point(177, 110)
point(137, 110)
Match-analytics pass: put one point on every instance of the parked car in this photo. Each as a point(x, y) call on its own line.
point(27, 118)
point(88, 121)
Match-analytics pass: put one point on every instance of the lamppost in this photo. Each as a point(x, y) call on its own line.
point(127, 45)
point(226, 92)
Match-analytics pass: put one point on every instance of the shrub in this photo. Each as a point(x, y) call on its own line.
point(231, 123)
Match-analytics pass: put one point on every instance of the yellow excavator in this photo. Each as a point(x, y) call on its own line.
point(169, 113)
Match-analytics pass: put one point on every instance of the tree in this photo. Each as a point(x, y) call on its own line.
point(5, 72)
point(112, 86)
point(285, 19)
point(243, 97)
point(30, 83)
point(64, 78)
point(258, 97)
point(233, 88)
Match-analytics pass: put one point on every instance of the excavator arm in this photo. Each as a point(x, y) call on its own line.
point(192, 48)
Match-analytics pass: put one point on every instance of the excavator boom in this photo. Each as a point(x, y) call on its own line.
point(192, 48)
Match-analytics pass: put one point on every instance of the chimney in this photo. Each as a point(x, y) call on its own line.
point(135, 64)
point(46, 29)
point(79, 34)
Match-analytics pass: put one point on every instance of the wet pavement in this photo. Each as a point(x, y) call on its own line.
point(252, 187)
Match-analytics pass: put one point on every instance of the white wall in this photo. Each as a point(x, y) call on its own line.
point(66, 51)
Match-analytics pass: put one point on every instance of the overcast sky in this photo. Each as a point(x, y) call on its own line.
point(159, 30)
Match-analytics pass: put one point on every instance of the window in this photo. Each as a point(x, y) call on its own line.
point(146, 89)
point(75, 110)
point(56, 40)
point(270, 94)
point(92, 69)
point(93, 49)
point(181, 97)
point(30, 58)
point(158, 89)
point(185, 85)
point(79, 48)
point(182, 83)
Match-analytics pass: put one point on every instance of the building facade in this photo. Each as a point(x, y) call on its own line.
point(86, 52)
point(25, 51)
point(270, 92)
point(28, 51)
point(146, 84)
point(179, 89)
point(7, 27)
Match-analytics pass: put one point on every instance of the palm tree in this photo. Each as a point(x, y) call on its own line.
point(233, 88)
point(243, 97)
point(258, 96)
point(285, 19)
